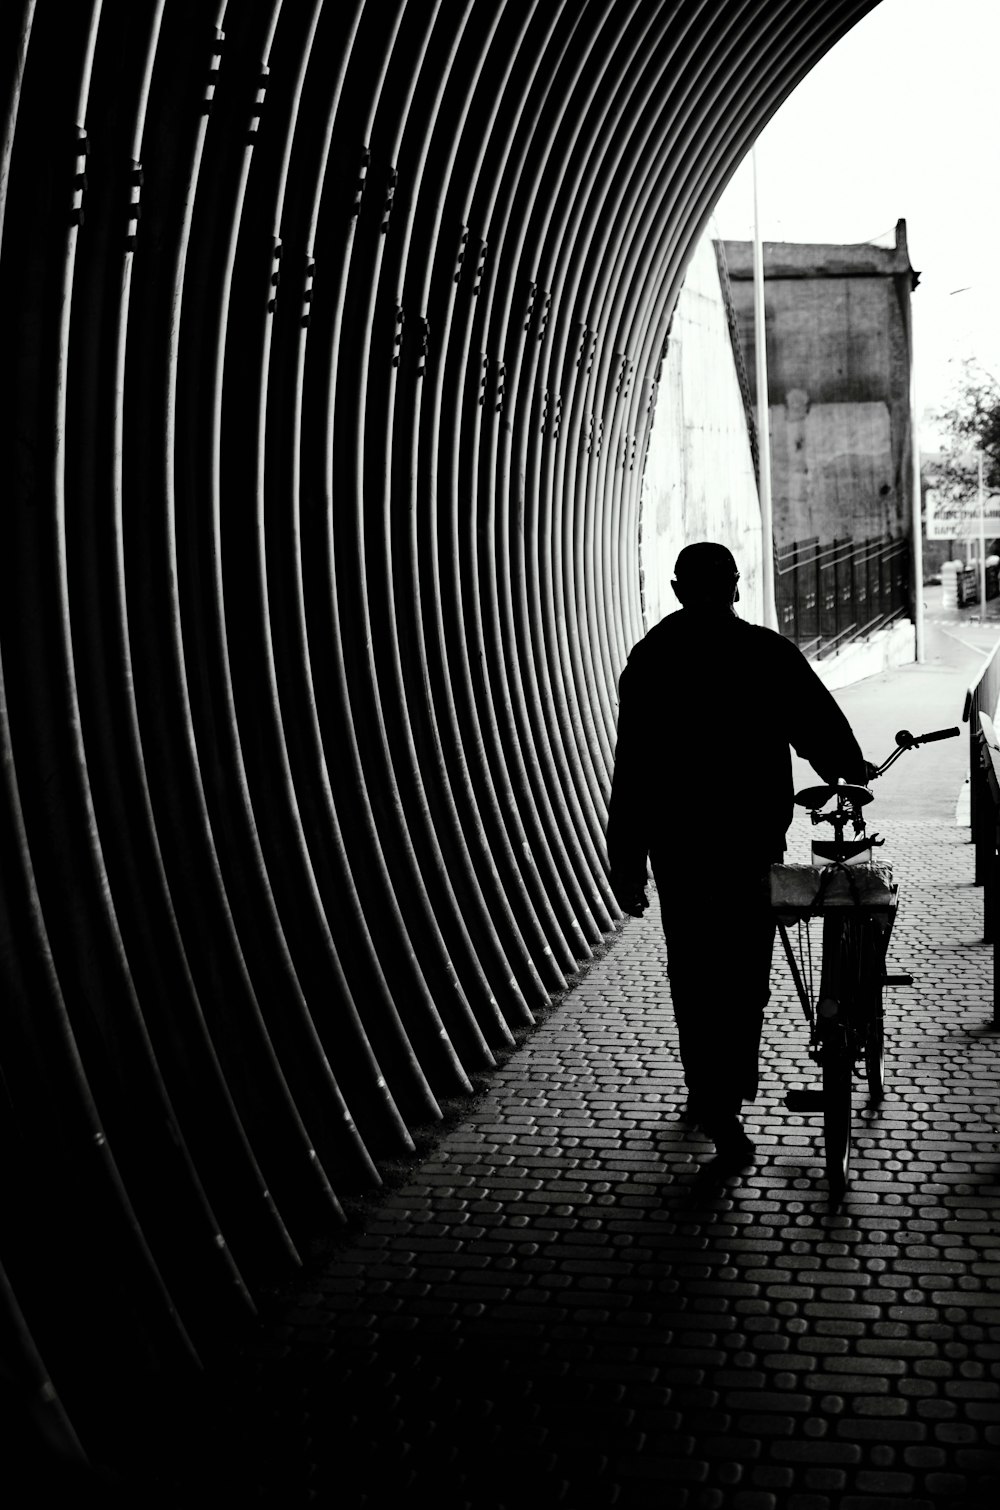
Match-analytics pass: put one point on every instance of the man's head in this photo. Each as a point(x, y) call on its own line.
point(706, 575)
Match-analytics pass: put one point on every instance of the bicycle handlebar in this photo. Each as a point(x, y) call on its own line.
point(851, 798)
point(907, 741)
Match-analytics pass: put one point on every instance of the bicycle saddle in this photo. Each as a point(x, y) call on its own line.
point(816, 796)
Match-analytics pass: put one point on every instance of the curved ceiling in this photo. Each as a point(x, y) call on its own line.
point(334, 333)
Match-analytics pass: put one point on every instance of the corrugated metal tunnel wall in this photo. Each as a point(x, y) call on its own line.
point(332, 334)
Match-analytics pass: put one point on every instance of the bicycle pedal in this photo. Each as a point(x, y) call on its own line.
point(804, 1101)
point(898, 980)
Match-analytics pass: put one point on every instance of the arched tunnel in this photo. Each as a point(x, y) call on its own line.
point(332, 334)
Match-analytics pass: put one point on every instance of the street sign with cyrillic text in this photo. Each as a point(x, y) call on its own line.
point(958, 519)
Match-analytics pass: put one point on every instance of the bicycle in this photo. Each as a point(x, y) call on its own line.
point(857, 899)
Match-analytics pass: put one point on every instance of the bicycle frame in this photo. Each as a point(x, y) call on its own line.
point(857, 899)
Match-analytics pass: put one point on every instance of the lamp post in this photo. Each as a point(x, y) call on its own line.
point(969, 288)
point(982, 539)
point(916, 513)
point(763, 418)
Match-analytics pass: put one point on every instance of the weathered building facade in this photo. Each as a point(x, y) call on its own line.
point(838, 330)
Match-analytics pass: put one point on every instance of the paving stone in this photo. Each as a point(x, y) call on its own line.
point(829, 1479)
point(881, 1482)
point(814, 1452)
point(881, 1429)
point(547, 1311)
point(883, 1502)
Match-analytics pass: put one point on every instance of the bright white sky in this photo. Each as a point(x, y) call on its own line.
point(899, 121)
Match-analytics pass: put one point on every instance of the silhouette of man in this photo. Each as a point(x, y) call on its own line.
point(708, 707)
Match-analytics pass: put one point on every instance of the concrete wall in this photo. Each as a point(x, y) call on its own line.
point(833, 470)
point(699, 482)
point(838, 359)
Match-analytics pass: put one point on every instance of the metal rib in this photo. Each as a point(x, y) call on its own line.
point(334, 372)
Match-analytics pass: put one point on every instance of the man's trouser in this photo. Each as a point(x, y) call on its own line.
point(720, 936)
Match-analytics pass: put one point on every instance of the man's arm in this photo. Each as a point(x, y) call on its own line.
point(627, 827)
point(817, 727)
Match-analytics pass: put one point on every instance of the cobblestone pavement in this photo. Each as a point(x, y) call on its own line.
point(553, 1309)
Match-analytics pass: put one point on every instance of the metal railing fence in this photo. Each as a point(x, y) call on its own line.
point(967, 584)
point(827, 595)
point(982, 697)
point(986, 834)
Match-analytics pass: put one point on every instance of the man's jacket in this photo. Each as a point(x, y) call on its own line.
point(708, 707)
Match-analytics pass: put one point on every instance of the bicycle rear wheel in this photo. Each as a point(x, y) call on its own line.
point(838, 1076)
point(871, 1022)
point(838, 1010)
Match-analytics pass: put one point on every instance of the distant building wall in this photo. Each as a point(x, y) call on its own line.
point(699, 481)
point(837, 320)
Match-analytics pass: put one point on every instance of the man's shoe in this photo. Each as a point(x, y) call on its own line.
point(733, 1149)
